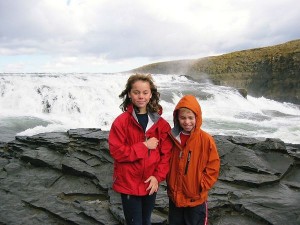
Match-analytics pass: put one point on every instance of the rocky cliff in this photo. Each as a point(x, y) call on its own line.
point(272, 72)
point(64, 178)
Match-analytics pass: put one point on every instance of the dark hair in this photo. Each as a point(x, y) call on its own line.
point(153, 105)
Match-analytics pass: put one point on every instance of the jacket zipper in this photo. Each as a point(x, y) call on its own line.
point(188, 162)
point(147, 146)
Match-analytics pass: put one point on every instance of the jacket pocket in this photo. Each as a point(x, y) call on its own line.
point(191, 186)
point(191, 189)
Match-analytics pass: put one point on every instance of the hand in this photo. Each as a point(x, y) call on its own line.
point(153, 185)
point(151, 143)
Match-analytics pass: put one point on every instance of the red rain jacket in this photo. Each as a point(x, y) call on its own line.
point(194, 169)
point(132, 162)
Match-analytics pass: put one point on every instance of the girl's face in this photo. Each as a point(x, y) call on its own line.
point(140, 95)
point(187, 120)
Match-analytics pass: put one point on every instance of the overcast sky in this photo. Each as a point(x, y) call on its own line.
point(119, 35)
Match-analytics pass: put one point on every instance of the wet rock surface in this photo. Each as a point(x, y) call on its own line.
point(65, 178)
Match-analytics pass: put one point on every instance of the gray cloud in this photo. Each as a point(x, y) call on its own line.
point(129, 29)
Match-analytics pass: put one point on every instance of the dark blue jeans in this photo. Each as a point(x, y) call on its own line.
point(138, 209)
point(187, 215)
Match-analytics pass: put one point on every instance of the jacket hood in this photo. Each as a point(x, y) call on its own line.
point(190, 102)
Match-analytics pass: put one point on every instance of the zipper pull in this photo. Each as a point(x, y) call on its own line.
point(188, 162)
point(180, 154)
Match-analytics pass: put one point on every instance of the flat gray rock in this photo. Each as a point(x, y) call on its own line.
point(65, 178)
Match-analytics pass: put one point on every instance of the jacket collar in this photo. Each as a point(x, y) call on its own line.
point(154, 117)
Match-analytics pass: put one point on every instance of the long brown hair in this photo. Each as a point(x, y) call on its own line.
point(153, 105)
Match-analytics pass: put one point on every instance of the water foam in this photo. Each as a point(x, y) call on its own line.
point(69, 101)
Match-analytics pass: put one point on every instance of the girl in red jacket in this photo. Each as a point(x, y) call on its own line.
point(141, 147)
point(194, 165)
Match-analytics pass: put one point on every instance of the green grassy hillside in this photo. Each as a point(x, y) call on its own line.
point(273, 72)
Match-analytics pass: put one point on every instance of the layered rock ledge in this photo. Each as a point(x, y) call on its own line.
point(64, 178)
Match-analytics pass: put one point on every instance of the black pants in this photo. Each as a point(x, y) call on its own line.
point(187, 215)
point(138, 209)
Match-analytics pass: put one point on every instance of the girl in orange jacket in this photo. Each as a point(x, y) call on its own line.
point(194, 165)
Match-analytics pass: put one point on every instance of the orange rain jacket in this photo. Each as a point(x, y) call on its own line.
point(194, 169)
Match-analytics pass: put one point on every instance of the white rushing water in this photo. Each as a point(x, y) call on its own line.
point(38, 103)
